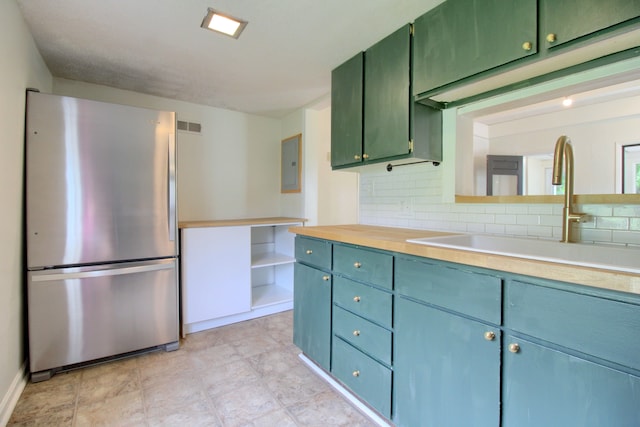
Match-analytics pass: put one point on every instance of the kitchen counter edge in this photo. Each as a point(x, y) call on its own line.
point(394, 239)
point(241, 222)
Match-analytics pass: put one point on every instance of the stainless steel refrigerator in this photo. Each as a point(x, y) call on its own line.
point(101, 235)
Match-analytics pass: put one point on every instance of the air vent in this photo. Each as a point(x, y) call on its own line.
point(189, 127)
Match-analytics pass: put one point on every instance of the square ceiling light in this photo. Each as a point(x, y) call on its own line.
point(223, 23)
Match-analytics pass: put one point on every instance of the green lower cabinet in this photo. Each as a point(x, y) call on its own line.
point(367, 378)
point(312, 313)
point(546, 387)
point(446, 368)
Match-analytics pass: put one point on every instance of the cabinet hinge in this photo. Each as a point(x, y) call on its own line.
point(410, 29)
point(411, 145)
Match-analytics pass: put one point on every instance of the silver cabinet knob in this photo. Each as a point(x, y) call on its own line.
point(356, 299)
point(514, 347)
point(356, 333)
point(489, 335)
point(357, 264)
point(309, 252)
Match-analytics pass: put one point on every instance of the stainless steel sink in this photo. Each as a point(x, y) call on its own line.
point(606, 257)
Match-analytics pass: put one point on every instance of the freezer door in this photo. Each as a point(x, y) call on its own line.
point(81, 314)
point(100, 182)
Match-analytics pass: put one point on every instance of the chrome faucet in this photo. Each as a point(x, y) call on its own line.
point(564, 151)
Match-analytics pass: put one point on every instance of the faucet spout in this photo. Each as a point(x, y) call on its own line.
point(563, 154)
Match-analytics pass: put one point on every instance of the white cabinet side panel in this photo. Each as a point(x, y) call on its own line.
point(216, 272)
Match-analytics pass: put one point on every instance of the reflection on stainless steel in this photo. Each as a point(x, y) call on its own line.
point(88, 313)
point(101, 230)
point(564, 153)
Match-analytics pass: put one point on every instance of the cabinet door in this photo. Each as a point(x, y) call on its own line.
point(568, 20)
point(545, 387)
point(387, 96)
point(346, 112)
point(216, 272)
point(460, 38)
point(312, 313)
point(446, 372)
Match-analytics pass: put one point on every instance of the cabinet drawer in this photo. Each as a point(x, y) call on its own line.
point(369, 379)
point(364, 265)
point(366, 301)
point(368, 337)
point(470, 293)
point(600, 327)
point(314, 252)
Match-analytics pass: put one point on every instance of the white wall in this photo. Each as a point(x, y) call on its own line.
point(293, 204)
point(21, 67)
point(230, 170)
point(337, 196)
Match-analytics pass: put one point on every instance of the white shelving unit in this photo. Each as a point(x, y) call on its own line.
point(235, 270)
point(272, 259)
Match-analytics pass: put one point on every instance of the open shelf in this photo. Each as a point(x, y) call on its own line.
point(269, 259)
point(265, 295)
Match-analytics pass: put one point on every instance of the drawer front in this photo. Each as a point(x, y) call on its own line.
point(369, 379)
point(368, 337)
point(313, 252)
point(366, 301)
point(364, 265)
point(473, 294)
point(596, 326)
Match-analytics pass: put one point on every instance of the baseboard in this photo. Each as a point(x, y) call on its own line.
point(373, 416)
point(190, 328)
point(12, 395)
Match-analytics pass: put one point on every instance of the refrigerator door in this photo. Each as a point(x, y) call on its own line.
point(87, 313)
point(100, 182)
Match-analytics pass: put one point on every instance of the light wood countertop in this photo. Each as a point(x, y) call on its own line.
point(394, 239)
point(241, 221)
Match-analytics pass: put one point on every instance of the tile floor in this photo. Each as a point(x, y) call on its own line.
point(246, 374)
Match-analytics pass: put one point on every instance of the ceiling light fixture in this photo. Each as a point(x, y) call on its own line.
point(567, 102)
point(223, 23)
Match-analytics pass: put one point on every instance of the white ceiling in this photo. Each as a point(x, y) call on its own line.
point(282, 60)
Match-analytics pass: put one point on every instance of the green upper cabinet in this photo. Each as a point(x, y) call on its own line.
point(569, 20)
point(347, 85)
point(460, 38)
point(387, 96)
point(373, 116)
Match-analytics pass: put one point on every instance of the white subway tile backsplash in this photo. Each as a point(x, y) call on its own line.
point(516, 230)
point(630, 237)
point(541, 209)
point(626, 210)
point(411, 197)
point(595, 210)
point(594, 235)
point(495, 228)
point(539, 231)
point(517, 209)
point(528, 219)
point(506, 219)
point(612, 223)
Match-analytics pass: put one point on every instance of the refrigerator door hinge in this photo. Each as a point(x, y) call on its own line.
point(411, 146)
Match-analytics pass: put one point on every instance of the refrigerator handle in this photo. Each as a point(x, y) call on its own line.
point(101, 272)
point(171, 203)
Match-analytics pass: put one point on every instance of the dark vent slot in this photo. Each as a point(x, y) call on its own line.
point(182, 125)
point(195, 127)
